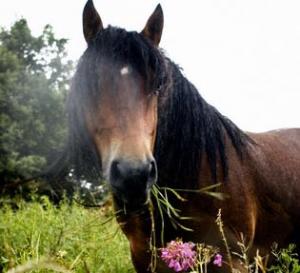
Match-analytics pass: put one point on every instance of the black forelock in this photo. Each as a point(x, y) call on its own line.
point(120, 47)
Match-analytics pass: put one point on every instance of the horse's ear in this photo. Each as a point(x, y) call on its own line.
point(91, 20)
point(154, 26)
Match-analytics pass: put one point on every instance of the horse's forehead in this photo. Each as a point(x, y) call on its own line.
point(120, 82)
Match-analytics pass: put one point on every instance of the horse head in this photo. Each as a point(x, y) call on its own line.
point(119, 79)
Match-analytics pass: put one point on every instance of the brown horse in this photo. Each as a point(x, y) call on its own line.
point(137, 121)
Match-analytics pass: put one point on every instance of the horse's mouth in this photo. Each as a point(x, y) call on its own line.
point(131, 201)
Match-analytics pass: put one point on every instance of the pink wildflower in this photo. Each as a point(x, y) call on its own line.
point(178, 255)
point(218, 260)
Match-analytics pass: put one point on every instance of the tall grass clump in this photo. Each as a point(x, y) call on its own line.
point(38, 236)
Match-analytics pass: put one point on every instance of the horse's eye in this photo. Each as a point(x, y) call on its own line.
point(153, 93)
point(158, 88)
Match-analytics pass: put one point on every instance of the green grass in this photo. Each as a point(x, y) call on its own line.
point(39, 235)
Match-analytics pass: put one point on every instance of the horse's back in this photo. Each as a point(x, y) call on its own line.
point(276, 168)
point(282, 136)
point(278, 152)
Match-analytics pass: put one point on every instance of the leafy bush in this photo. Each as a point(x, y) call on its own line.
point(34, 79)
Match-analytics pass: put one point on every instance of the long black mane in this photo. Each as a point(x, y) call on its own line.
point(191, 130)
point(188, 127)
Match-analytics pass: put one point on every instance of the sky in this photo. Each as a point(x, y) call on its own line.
point(243, 56)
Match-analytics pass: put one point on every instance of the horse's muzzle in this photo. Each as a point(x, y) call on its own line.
point(131, 181)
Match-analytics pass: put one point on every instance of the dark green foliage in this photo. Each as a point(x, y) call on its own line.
point(287, 261)
point(34, 75)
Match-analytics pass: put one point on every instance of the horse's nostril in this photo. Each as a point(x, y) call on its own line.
point(128, 174)
point(115, 170)
point(153, 171)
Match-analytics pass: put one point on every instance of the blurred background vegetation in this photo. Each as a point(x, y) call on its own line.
point(34, 79)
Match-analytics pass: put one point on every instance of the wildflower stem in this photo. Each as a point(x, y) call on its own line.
point(153, 250)
point(221, 229)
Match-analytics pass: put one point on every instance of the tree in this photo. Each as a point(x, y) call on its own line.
point(34, 76)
